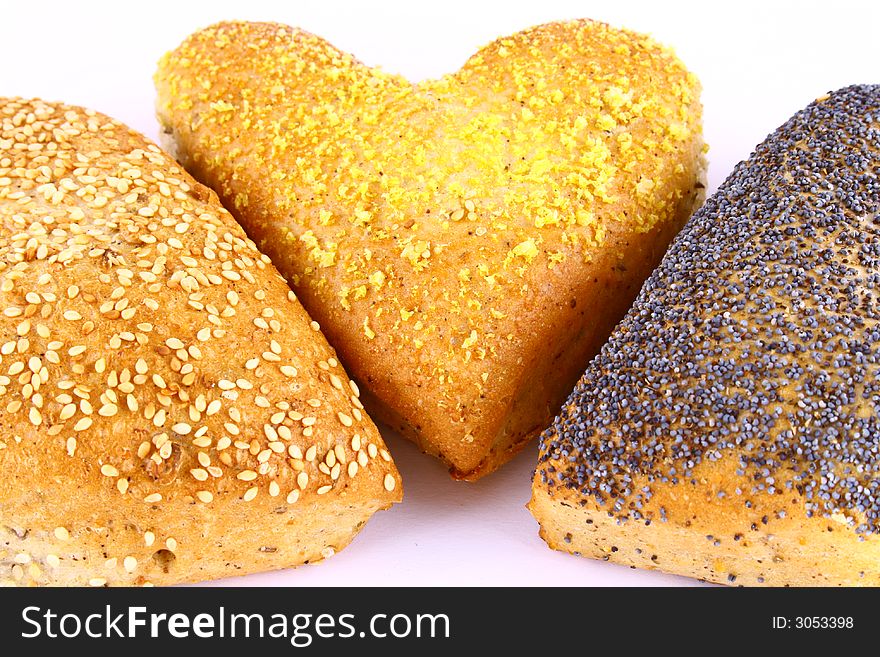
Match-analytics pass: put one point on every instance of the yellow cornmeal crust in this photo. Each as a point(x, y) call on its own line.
point(451, 236)
point(168, 410)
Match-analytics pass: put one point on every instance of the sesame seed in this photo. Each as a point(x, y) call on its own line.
point(250, 494)
point(108, 410)
point(62, 534)
point(302, 480)
point(35, 417)
point(205, 496)
point(152, 498)
point(247, 475)
point(109, 471)
point(82, 424)
point(390, 482)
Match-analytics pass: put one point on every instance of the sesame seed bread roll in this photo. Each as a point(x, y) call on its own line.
point(467, 243)
point(729, 429)
point(169, 411)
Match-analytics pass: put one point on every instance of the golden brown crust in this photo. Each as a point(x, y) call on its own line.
point(453, 237)
point(169, 410)
point(713, 537)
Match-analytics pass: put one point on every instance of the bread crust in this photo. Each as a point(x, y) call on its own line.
point(712, 538)
point(467, 243)
point(169, 411)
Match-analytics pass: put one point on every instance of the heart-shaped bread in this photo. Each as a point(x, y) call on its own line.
point(467, 243)
point(168, 410)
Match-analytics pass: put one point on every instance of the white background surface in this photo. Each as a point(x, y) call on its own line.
point(759, 62)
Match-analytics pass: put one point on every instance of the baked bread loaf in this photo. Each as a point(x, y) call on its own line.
point(467, 243)
point(729, 429)
point(169, 412)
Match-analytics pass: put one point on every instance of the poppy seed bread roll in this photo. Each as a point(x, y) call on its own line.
point(169, 411)
point(467, 243)
point(729, 429)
